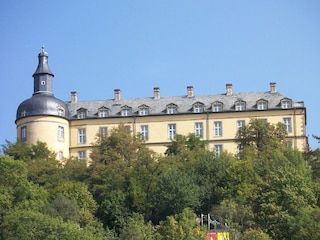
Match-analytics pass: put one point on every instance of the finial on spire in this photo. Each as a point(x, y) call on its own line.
point(42, 48)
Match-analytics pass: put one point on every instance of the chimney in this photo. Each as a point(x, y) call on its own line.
point(74, 97)
point(117, 94)
point(273, 87)
point(229, 89)
point(190, 91)
point(156, 93)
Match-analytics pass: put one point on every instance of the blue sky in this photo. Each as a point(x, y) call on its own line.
point(97, 46)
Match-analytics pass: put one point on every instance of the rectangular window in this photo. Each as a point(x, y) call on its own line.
point(23, 133)
point(126, 112)
point(82, 155)
point(172, 110)
point(217, 107)
point(198, 129)
point(103, 113)
point(103, 133)
point(240, 123)
point(198, 109)
point(171, 131)
point(82, 114)
point(217, 129)
point(287, 122)
point(144, 131)
point(60, 133)
point(286, 104)
point(81, 135)
point(217, 150)
point(143, 111)
point(60, 155)
point(262, 105)
point(241, 106)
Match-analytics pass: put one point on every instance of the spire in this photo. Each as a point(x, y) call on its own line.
point(43, 76)
point(43, 67)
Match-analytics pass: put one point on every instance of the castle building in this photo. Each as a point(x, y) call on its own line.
point(70, 127)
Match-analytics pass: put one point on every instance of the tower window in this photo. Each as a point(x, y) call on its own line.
point(43, 83)
point(23, 133)
point(60, 133)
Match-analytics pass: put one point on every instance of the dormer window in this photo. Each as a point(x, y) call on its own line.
point(172, 109)
point(198, 107)
point(126, 111)
point(23, 113)
point(217, 107)
point(103, 112)
point(262, 104)
point(82, 113)
point(286, 103)
point(143, 110)
point(240, 106)
point(60, 111)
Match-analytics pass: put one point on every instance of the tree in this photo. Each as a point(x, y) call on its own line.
point(261, 136)
point(175, 191)
point(183, 225)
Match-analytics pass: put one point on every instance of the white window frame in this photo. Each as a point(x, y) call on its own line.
point(218, 148)
point(125, 112)
point(198, 129)
point(60, 112)
point(217, 129)
point(144, 131)
point(198, 108)
point(60, 155)
point(82, 155)
point(82, 135)
point(172, 130)
point(288, 123)
point(240, 106)
point(103, 133)
point(23, 113)
point(82, 114)
point(240, 123)
point(217, 107)
point(262, 105)
point(60, 133)
point(143, 111)
point(103, 113)
point(171, 109)
point(23, 133)
point(285, 104)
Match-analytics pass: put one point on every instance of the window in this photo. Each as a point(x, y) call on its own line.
point(198, 129)
point(126, 111)
point(171, 131)
point(144, 131)
point(60, 112)
point(198, 108)
point(60, 133)
point(262, 105)
point(240, 106)
point(60, 155)
point(288, 144)
point(217, 150)
point(172, 109)
point(82, 135)
point(287, 122)
point(239, 147)
point(82, 155)
point(23, 133)
point(127, 129)
point(103, 113)
point(103, 133)
point(23, 113)
point(286, 103)
point(43, 82)
point(143, 110)
point(82, 114)
point(217, 129)
point(240, 123)
point(217, 107)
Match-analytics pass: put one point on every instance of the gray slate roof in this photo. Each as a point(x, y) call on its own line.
point(184, 103)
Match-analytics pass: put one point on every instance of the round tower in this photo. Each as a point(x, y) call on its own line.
point(43, 117)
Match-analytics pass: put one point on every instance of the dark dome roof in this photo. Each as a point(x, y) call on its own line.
point(42, 104)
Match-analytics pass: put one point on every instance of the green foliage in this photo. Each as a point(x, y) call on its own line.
point(261, 136)
point(181, 226)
